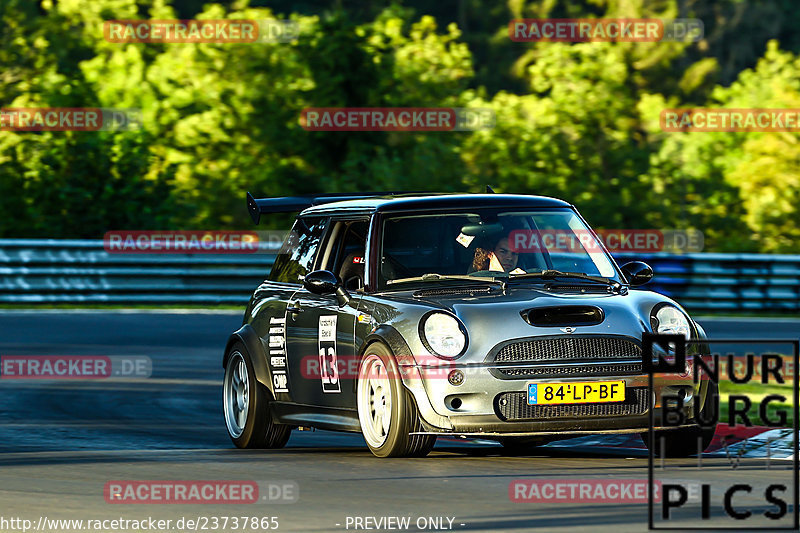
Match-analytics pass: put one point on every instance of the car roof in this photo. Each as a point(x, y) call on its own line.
point(433, 202)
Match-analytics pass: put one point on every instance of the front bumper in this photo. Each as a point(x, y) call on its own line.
point(473, 408)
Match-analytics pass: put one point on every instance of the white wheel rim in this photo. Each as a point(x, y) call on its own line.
point(236, 392)
point(374, 400)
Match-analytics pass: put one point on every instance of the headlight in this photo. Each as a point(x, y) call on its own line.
point(443, 335)
point(669, 320)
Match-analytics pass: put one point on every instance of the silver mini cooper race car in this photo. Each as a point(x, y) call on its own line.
point(407, 317)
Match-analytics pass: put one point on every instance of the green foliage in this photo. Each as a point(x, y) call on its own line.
point(577, 121)
point(577, 136)
point(69, 184)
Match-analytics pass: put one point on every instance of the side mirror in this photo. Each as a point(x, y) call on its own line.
point(326, 282)
point(321, 282)
point(637, 273)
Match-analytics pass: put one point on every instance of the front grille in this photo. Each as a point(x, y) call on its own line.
point(567, 349)
point(513, 407)
point(630, 369)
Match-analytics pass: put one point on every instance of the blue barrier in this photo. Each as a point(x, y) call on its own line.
point(34, 271)
point(725, 282)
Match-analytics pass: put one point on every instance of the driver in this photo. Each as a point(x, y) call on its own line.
point(496, 255)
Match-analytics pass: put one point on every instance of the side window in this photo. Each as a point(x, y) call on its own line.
point(350, 259)
point(352, 241)
point(296, 256)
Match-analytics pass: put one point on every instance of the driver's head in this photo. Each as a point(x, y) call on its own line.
point(503, 255)
point(495, 255)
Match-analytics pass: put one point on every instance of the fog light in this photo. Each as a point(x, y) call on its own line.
point(456, 377)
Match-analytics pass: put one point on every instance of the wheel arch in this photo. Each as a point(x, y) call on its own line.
point(252, 342)
point(390, 337)
point(399, 347)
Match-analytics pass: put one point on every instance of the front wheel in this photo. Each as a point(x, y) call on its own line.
point(246, 405)
point(386, 410)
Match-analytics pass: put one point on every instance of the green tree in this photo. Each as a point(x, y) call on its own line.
point(577, 136)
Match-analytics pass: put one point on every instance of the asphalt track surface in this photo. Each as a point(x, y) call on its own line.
point(61, 442)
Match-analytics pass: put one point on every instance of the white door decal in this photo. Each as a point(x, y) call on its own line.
point(328, 362)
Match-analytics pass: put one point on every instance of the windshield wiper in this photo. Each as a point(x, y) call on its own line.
point(553, 274)
point(449, 277)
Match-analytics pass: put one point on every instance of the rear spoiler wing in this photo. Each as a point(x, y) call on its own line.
point(293, 204)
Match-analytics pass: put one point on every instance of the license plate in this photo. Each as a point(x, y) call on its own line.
point(580, 392)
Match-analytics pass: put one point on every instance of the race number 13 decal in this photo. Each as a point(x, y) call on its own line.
point(328, 368)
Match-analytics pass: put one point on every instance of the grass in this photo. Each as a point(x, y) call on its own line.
point(756, 392)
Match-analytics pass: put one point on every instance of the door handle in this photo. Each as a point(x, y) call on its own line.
point(293, 308)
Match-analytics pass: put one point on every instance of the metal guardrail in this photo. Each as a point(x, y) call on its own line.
point(82, 271)
point(725, 282)
point(36, 271)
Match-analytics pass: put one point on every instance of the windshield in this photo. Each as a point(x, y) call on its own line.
point(493, 243)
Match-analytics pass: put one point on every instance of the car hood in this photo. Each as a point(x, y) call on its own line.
point(496, 317)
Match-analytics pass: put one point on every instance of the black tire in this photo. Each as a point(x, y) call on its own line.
point(404, 417)
point(683, 442)
point(259, 432)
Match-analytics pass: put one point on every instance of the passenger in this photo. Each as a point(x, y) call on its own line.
point(497, 258)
